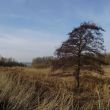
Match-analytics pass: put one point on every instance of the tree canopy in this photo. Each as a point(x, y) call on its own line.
point(85, 47)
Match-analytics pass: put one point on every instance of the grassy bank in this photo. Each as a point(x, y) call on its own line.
point(36, 89)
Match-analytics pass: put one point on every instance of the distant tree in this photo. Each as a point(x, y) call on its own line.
point(107, 59)
point(42, 62)
point(10, 62)
point(85, 47)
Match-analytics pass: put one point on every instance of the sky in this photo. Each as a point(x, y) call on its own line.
point(35, 28)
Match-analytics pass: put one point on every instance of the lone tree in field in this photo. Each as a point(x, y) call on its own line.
point(85, 47)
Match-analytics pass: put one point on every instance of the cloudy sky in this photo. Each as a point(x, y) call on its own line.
point(33, 28)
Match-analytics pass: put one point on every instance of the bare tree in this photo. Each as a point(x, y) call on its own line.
point(86, 46)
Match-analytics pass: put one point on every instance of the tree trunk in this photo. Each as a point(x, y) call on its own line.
point(78, 71)
point(78, 77)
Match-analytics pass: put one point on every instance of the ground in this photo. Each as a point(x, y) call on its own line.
point(26, 88)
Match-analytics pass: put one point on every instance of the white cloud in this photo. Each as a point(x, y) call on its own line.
point(26, 44)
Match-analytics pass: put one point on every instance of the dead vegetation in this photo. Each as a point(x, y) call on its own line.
point(32, 89)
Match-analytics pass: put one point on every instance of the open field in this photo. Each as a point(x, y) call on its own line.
point(37, 89)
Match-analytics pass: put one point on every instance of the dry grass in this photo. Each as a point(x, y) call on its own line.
point(31, 89)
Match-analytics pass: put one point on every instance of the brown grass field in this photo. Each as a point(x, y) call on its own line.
point(38, 89)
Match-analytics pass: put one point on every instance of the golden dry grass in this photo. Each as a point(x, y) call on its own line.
point(36, 89)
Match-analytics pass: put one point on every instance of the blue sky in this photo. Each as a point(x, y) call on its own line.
point(32, 28)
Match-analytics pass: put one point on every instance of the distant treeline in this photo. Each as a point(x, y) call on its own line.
point(108, 59)
point(45, 62)
point(9, 62)
point(42, 62)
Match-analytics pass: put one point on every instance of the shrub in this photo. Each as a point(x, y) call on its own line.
point(42, 62)
point(9, 62)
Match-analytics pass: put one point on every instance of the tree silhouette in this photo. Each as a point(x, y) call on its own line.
point(85, 47)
